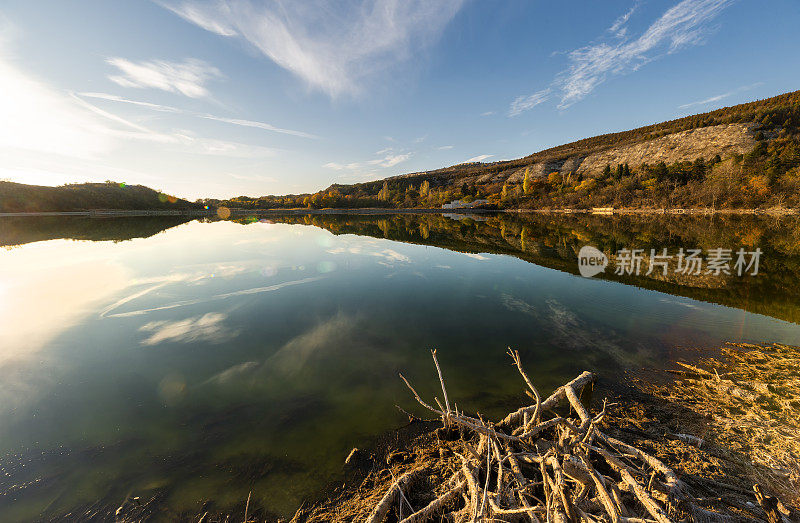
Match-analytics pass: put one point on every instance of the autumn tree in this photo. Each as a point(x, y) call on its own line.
point(425, 189)
point(527, 185)
point(383, 194)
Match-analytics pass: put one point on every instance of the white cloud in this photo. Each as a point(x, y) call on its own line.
point(390, 160)
point(332, 45)
point(257, 125)
point(187, 77)
point(618, 27)
point(185, 140)
point(175, 110)
point(526, 103)
point(681, 26)
point(367, 168)
point(480, 158)
point(445, 147)
point(722, 96)
point(488, 113)
point(201, 16)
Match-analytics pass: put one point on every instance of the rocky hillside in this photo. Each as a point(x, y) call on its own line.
point(747, 156)
point(724, 140)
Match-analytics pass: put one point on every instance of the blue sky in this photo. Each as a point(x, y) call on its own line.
point(227, 97)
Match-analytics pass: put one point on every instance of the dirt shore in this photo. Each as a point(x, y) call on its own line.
point(728, 427)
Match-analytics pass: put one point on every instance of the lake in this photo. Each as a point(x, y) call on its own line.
point(204, 360)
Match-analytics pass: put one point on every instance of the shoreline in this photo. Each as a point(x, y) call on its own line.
point(377, 211)
point(651, 412)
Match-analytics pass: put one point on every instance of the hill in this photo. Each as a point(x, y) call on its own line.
point(19, 197)
point(742, 156)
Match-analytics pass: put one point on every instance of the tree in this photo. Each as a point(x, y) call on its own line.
point(699, 168)
point(425, 189)
point(527, 186)
point(383, 194)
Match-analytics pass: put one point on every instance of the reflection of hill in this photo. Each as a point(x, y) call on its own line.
point(554, 240)
point(28, 229)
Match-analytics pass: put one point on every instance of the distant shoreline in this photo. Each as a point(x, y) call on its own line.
point(117, 213)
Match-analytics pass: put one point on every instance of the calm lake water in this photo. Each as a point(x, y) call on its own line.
point(208, 359)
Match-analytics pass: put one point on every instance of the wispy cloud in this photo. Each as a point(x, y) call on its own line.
point(618, 27)
point(445, 147)
point(526, 103)
point(387, 158)
point(188, 77)
point(175, 110)
point(334, 46)
point(488, 113)
point(186, 139)
point(681, 26)
point(201, 15)
point(479, 158)
point(390, 160)
point(718, 97)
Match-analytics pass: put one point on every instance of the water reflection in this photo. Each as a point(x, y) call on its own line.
point(223, 357)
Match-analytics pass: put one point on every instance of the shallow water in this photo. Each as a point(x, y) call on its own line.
point(205, 360)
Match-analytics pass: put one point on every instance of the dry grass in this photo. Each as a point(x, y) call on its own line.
point(751, 398)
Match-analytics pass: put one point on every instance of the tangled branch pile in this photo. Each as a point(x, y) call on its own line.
point(548, 461)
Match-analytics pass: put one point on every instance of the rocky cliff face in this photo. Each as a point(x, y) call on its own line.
point(705, 142)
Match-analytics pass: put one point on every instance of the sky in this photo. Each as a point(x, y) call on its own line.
point(220, 98)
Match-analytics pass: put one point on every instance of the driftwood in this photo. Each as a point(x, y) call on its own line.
point(540, 465)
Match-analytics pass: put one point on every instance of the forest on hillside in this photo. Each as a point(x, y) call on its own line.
point(19, 197)
point(767, 176)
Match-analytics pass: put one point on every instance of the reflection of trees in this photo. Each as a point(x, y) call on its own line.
point(554, 240)
point(27, 229)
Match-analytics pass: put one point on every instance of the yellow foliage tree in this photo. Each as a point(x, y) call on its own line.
point(383, 194)
point(425, 188)
point(527, 183)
